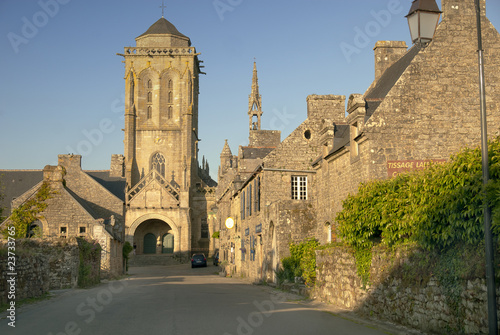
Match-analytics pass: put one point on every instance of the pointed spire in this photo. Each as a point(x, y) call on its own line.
point(226, 151)
point(255, 101)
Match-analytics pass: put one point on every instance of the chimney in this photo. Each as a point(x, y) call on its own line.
point(386, 54)
point(326, 107)
point(70, 162)
point(53, 174)
point(117, 168)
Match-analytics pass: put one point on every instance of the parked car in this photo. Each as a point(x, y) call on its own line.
point(198, 260)
point(216, 258)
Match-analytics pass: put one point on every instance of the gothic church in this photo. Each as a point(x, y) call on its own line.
point(164, 194)
point(166, 199)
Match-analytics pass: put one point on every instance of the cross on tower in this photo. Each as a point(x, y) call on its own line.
point(162, 8)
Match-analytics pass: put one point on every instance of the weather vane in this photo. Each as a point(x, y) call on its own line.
point(162, 8)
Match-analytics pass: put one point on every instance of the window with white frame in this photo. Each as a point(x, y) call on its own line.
point(299, 187)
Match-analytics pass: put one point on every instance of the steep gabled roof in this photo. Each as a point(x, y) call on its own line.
point(386, 82)
point(15, 183)
point(116, 185)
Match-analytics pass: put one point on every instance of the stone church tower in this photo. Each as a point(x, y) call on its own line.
point(164, 207)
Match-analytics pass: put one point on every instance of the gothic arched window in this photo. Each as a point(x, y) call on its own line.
point(150, 97)
point(170, 85)
point(150, 84)
point(170, 112)
point(170, 97)
point(150, 112)
point(158, 163)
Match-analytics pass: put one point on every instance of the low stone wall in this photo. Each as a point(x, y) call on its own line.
point(30, 281)
point(423, 306)
point(41, 265)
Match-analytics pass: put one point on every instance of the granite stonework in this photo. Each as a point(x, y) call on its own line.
point(42, 265)
point(79, 206)
point(423, 305)
point(165, 210)
point(423, 105)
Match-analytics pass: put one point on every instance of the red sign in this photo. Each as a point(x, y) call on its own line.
point(396, 167)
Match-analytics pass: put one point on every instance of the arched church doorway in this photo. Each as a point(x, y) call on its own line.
point(154, 236)
point(149, 244)
point(168, 244)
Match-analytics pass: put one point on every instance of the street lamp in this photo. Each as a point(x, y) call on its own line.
point(423, 19)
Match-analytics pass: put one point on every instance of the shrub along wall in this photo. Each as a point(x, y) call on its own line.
point(410, 286)
point(439, 212)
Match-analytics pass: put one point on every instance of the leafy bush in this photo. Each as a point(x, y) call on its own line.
point(438, 207)
point(127, 249)
point(301, 263)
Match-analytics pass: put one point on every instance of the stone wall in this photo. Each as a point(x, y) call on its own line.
point(422, 306)
point(42, 265)
point(31, 280)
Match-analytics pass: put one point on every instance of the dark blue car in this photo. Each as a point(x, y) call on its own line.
point(198, 260)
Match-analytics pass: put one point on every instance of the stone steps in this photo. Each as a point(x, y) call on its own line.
point(157, 259)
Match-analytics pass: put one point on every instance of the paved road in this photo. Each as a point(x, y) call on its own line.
point(178, 300)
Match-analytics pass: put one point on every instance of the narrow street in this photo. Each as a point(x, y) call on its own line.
point(178, 300)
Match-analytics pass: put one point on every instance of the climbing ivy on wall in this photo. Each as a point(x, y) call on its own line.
point(23, 216)
point(437, 207)
point(90, 261)
point(301, 263)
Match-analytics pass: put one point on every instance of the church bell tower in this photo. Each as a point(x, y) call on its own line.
point(161, 137)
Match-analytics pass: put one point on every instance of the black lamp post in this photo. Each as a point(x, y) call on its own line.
point(423, 19)
point(490, 266)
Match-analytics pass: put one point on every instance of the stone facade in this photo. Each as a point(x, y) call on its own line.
point(167, 200)
point(156, 196)
point(421, 306)
point(43, 265)
point(423, 105)
point(79, 206)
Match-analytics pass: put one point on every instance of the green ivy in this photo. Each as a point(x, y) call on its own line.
point(216, 234)
point(90, 253)
point(437, 207)
point(23, 216)
point(302, 261)
point(127, 249)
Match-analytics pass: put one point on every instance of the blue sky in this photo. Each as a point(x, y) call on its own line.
point(61, 87)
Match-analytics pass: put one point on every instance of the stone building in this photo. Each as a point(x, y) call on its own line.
point(422, 106)
point(166, 199)
point(156, 196)
point(82, 204)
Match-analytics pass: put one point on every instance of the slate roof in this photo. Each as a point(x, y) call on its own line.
point(116, 185)
point(341, 139)
point(387, 81)
point(17, 182)
point(161, 27)
point(255, 152)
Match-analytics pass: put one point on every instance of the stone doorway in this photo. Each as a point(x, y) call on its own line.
point(154, 236)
